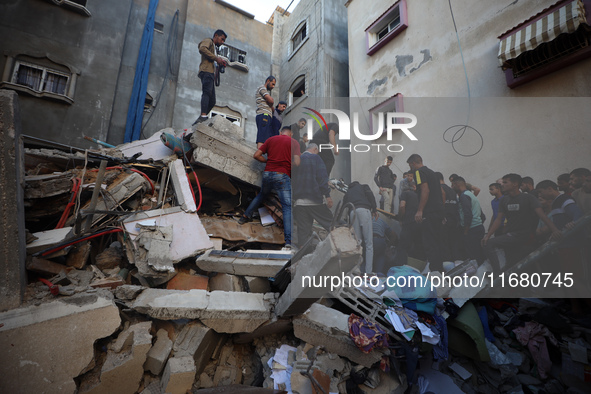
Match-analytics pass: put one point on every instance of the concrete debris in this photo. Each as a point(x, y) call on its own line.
point(212, 304)
point(323, 326)
point(225, 312)
point(36, 340)
point(260, 263)
point(217, 145)
point(189, 237)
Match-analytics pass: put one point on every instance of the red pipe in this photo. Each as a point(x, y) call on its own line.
point(60, 247)
point(54, 289)
point(75, 188)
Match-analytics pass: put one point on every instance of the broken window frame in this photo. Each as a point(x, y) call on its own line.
point(232, 118)
point(390, 24)
point(299, 83)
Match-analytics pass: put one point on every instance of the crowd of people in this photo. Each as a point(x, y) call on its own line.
point(438, 222)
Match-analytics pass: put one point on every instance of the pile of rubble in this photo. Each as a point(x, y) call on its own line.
point(137, 285)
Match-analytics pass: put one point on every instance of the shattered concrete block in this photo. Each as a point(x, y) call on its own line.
point(225, 282)
point(243, 263)
point(179, 375)
point(181, 185)
point(217, 146)
point(230, 230)
point(323, 326)
point(111, 257)
point(189, 237)
point(184, 281)
point(123, 369)
point(225, 312)
point(128, 292)
point(197, 341)
point(225, 376)
point(45, 347)
point(337, 254)
point(158, 354)
point(258, 284)
point(78, 256)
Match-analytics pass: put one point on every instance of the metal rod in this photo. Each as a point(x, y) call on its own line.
point(95, 194)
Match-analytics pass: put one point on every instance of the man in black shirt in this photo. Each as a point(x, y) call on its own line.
point(384, 179)
point(522, 211)
point(451, 236)
point(430, 213)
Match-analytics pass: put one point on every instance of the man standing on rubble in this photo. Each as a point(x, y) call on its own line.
point(311, 194)
point(384, 179)
point(281, 150)
point(264, 118)
point(430, 213)
point(207, 49)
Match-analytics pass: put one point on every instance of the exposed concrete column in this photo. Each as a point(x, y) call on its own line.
point(12, 220)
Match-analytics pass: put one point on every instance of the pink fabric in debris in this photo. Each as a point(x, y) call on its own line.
point(533, 335)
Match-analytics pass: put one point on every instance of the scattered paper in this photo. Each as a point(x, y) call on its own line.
point(428, 335)
point(266, 218)
point(461, 371)
point(578, 353)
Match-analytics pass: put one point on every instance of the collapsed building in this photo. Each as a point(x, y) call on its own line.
point(134, 284)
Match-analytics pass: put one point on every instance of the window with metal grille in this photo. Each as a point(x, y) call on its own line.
point(40, 79)
point(232, 54)
point(299, 37)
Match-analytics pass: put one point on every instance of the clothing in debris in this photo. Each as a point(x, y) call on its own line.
point(366, 335)
point(416, 292)
point(533, 335)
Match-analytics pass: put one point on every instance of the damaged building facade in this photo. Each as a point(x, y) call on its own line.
point(525, 108)
point(73, 64)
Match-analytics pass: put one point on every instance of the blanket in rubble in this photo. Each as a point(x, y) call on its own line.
point(366, 334)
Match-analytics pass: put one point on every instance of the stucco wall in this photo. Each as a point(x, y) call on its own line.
point(538, 129)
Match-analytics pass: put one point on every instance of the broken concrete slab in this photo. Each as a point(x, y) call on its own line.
point(158, 354)
point(123, 369)
point(34, 346)
point(47, 185)
point(150, 148)
point(259, 263)
point(189, 237)
point(181, 185)
point(217, 146)
point(339, 253)
point(179, 375)
point(128, 292)
point(230, 230)
point(323, 326)
point(199, 342)
point(156, 240)
point(47, 239)
point(225, 312)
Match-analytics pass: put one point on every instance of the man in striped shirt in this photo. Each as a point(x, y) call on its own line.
point(264, 110)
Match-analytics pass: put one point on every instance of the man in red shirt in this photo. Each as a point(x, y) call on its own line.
point(281, 150)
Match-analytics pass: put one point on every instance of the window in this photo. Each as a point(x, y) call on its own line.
point(236, 57)
point(547, 42)
point(40, 80)
point(297, 90)
point(386, 27)
point(378, 113)
point(298, 38)
point(148, 103)
point(158, 27)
